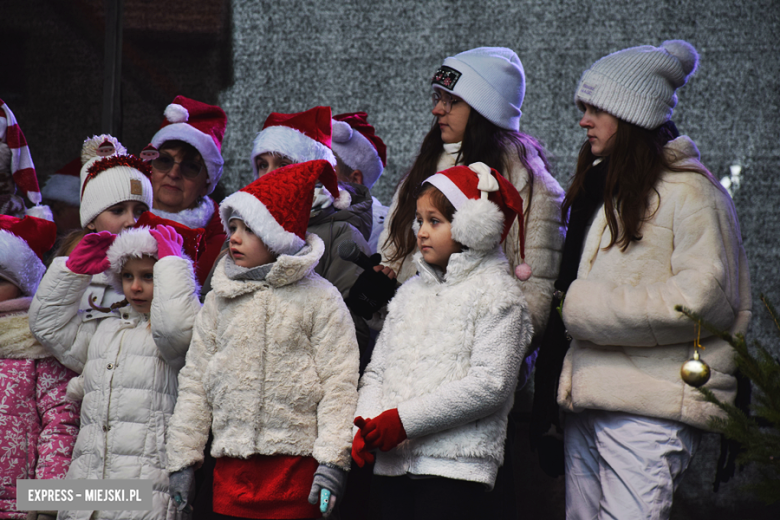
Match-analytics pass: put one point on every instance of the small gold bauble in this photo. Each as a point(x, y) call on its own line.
point(695, 372)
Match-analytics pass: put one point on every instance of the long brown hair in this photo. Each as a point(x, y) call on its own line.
point(636, 162)
point(69, 242)
point(484, 142)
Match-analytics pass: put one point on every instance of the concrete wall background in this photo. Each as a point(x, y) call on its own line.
point(255, 57)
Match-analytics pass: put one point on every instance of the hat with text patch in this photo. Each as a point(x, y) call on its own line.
point(110, 176)
point(490, 79)
point(486, 204)
point(638, 85)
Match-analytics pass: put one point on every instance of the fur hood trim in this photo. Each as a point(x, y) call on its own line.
point(287, 269)
point(462, 265)
point(17, 341)
point(197, 217)
point(133, 243)
point(20, 263)
point(478, 224)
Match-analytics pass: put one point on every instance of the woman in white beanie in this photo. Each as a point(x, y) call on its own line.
point(649, 228)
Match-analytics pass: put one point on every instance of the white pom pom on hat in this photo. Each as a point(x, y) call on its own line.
point(176, 113)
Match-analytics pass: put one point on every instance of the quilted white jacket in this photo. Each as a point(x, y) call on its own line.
point(130, 364)
point(629, 342)
point(272, 369)
point(448, 358)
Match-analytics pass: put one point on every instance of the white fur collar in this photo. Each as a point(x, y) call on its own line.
point(16, 340)
point(462, 265)
point(286, 270)
point(197, 217)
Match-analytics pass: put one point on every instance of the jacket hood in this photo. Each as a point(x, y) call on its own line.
point(462, 265)
point(359, 213)
point(287, 269)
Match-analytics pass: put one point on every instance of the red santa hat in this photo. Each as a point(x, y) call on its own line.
point(63, 185)
point(303, 136)
point(23, 242)
point(356, 143)
point(202, 126)
point(276, 207)
point(486, 205)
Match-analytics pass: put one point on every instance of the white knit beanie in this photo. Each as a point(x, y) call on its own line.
point(638, 84)
point(490, 79)
point(111, 179)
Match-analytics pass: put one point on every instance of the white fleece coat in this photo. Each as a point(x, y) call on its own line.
point(272, 369)
point(629, 342)
point(542, 199)
point(128, 379)
point(448, 358)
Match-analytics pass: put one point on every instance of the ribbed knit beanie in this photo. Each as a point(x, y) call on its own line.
point(490, 79)
point(638, 85)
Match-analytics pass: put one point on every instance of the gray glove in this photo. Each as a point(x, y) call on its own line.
point(332, 479)
point(181, 486)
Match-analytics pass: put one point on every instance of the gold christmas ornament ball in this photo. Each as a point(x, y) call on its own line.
point(695, 372)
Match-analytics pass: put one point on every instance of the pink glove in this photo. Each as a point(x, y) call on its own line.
point(89, 257)
point(384, 431)
point(169, 242)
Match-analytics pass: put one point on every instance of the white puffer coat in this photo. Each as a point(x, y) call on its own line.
point(272, 369)
point(448, 358)
point(130, 365)
point(629, 342)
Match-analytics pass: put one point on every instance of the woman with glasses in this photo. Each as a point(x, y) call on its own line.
point(187, 170)
point(476, 97)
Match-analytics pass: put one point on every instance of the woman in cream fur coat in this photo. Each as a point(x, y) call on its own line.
point(665, 234)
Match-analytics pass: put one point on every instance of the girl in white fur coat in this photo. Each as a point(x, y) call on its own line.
point(661, 232)
point(130, 363)
point(435, 397)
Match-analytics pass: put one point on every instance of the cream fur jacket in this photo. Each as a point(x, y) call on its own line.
point(542, 199)
point(130, 363)
point(629, 342)
point(448, 358)
point(272, 369)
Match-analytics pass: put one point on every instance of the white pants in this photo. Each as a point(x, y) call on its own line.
point(622, 466)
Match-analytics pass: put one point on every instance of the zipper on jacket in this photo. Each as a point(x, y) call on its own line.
point(107, 425)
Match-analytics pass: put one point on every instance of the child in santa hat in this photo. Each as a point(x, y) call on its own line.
point(186, 167)
point(282, 418)
point(39, 425)
point(435, 397)
point(129, 365)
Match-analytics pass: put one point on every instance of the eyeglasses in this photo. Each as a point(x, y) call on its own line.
point(188, 169)
point(447, 101)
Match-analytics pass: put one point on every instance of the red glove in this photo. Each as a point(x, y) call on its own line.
point(169, 242)
point(384, 431)
point(359, 451)
point(89, 257)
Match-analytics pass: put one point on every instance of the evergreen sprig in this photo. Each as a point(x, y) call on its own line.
point(759, 432)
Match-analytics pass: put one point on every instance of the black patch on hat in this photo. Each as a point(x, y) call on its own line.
point(447, 77)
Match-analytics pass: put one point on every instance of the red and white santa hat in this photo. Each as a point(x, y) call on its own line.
point(202, 126)
point(486, 205)
point(276, 207)
point(109, 177)
point(22, 167)
point(355, 141)
point(23, 242)
point(64, 185)
point(303, 136)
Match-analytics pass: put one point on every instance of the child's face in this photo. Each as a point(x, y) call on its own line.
point(118, 217)
point(8, 291)
point(138, 283)
point(435, 237)
point(268, 162)
point(246, 248)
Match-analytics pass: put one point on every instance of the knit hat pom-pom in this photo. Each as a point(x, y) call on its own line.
point(176, 113)
point(343, 201)
point(341, 132)
point(523, 272)
point(89, 150)
point(683, 51)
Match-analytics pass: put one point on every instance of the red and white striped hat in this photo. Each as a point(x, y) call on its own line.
point(22, 167)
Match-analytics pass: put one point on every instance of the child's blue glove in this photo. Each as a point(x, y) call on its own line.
point(181, 486)
point(327, 479)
